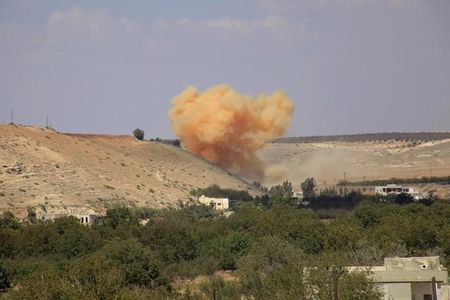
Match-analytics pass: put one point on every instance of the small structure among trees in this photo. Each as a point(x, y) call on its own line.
point(216, 203)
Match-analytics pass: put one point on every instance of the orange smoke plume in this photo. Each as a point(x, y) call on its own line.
point(227, 127)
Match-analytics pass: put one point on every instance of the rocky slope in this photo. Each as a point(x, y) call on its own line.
point(43, 168)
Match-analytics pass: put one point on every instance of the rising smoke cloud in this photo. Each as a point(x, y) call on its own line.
point(227, 127)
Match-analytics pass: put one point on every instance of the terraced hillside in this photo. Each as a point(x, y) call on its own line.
point(43, 168)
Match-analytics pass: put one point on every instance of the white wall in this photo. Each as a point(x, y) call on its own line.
point(397, 291)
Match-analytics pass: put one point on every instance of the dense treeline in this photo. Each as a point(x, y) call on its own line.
point(216, 191)
point(267, 249)
point(417, 180)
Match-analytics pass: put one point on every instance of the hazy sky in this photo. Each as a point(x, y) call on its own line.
point(351, 66)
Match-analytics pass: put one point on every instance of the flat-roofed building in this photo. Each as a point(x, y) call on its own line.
point(85, 216)
point(394, 189)
point(216, 203)
point(410, 278)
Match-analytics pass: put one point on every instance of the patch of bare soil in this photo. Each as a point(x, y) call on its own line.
point(41, 167)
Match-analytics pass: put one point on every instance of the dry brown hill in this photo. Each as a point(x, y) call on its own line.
point(328, 160)
point(43, 168)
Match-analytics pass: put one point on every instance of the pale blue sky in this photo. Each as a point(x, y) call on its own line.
point(351, 66)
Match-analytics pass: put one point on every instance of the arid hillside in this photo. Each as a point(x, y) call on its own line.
point(43, 168)
point(330, 161)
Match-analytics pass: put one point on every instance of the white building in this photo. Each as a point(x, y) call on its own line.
point(85, 216)
point(393, 189)
point(297, 197)
point(416, 278)
point(216, 203)
point(87, 219)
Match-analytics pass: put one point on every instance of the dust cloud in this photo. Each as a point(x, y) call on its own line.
point(227, 127)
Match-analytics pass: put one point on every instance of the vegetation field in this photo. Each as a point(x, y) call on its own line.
point(267, 249)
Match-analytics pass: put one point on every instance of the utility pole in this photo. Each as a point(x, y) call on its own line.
point(345, 176)
point(336, 273)
point(46, 122)
point(335, 284)
point(12, 117)
point(434, 288)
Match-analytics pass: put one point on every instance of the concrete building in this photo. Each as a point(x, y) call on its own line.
point(297, 197)
point(393, 189)
point(411, 278)
point(87, 219)
point(216, 203)
point(85, 216)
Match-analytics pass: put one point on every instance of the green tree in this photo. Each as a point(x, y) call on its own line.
point(136, 262)
point(49, 284)
point(138, 133)
point(119, 216)
point(273, 269)
point(230, 248)
point(97, 277)
point(403, 198)
point(69, 238)
point(8, 220)
point(309, 188)
point(170, 239)
point(282, 190)
point(280, 194)
point(358, 285)
point(6, 244)
point(4, 282)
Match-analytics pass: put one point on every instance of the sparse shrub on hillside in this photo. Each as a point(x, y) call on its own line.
point(138, 133)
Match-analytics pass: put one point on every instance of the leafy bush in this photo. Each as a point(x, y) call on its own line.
point(138, 133)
